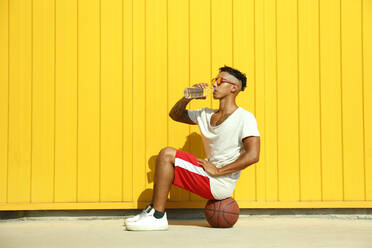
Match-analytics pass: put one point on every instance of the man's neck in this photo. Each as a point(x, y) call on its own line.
point(227, 105)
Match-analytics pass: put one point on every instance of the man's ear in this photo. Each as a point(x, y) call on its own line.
point(235, 88)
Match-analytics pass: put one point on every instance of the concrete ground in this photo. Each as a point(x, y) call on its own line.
point(250, 231)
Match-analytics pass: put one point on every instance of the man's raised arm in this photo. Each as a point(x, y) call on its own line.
point(179, 112)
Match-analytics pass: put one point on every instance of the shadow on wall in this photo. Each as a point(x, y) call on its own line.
point(194, 145)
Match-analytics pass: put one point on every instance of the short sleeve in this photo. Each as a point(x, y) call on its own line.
point(249, 126)
point(194, 114)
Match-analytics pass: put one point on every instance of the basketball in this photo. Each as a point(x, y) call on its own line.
point(222, 213)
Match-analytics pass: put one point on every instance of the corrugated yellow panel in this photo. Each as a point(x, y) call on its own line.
point(260, 96)
point(65, 182)
point(200, 68)
point(270, 151)
point(309, 101)
point(4, 97)
point(89, 109)
point(85, 111)
point(352, 100)
point(330, 92)
point(156, 86)
point(42, 180)
point(139, 100)
point(244, 50)
point(127, 100)
point(189, 204)
point(221, 37)
point(178, 78)
point(288, 140)
point(367, 90)
point(111, 101)
point(244, 60)
point(20, 90)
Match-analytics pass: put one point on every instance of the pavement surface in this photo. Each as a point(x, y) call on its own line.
point(249, 231)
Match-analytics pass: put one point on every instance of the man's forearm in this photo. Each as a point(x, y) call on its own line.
point(178, 109)
point(241, 163)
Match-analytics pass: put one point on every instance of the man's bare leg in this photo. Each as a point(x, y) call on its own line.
point(164, 174)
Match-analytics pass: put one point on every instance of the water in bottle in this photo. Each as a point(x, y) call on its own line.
point(196, 92)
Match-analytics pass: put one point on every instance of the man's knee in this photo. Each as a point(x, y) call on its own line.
point(168, 153)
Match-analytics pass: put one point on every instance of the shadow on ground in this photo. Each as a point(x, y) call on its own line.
point(200, 223)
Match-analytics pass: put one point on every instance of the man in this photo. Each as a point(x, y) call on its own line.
point(231, 141)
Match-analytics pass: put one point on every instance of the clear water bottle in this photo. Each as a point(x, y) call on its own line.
point(196, 92)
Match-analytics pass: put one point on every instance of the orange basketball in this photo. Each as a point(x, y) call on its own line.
point(222, 213)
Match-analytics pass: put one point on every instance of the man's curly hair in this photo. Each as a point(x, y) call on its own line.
point(237, 74)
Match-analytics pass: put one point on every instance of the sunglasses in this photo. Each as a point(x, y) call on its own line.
point(220, 80)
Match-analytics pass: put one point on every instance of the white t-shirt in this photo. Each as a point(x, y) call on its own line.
point(223, 144)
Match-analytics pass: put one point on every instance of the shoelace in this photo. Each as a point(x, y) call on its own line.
point(146, 211)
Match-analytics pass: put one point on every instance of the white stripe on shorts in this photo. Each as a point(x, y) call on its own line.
point(190, 167)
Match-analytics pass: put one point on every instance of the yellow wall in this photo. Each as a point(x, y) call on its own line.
point(86, 87)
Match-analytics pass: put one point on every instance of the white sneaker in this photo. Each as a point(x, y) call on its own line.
point(138, 216)
point(148, 222)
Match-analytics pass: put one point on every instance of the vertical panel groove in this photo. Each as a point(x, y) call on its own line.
point(189, 79)
point(145, 83)
point(55, 94)
point(32, 92)
point(122, 101)
point(363, 107)
point(254, 60)
point(342, 116)
point(167, 74)
point(132, 96)
point(254, 91)
point(7, 159)
point(298, 105)
point(210, 41)
point(232, 46)
point(232, 33)
point(264, 94)
point(100, 105)
point(77, 100)
point(277, 101)
point(320, 108)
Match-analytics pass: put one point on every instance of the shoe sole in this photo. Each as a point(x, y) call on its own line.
point(147, 228)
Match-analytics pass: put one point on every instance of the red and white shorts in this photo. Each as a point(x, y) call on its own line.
point(189, 175)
